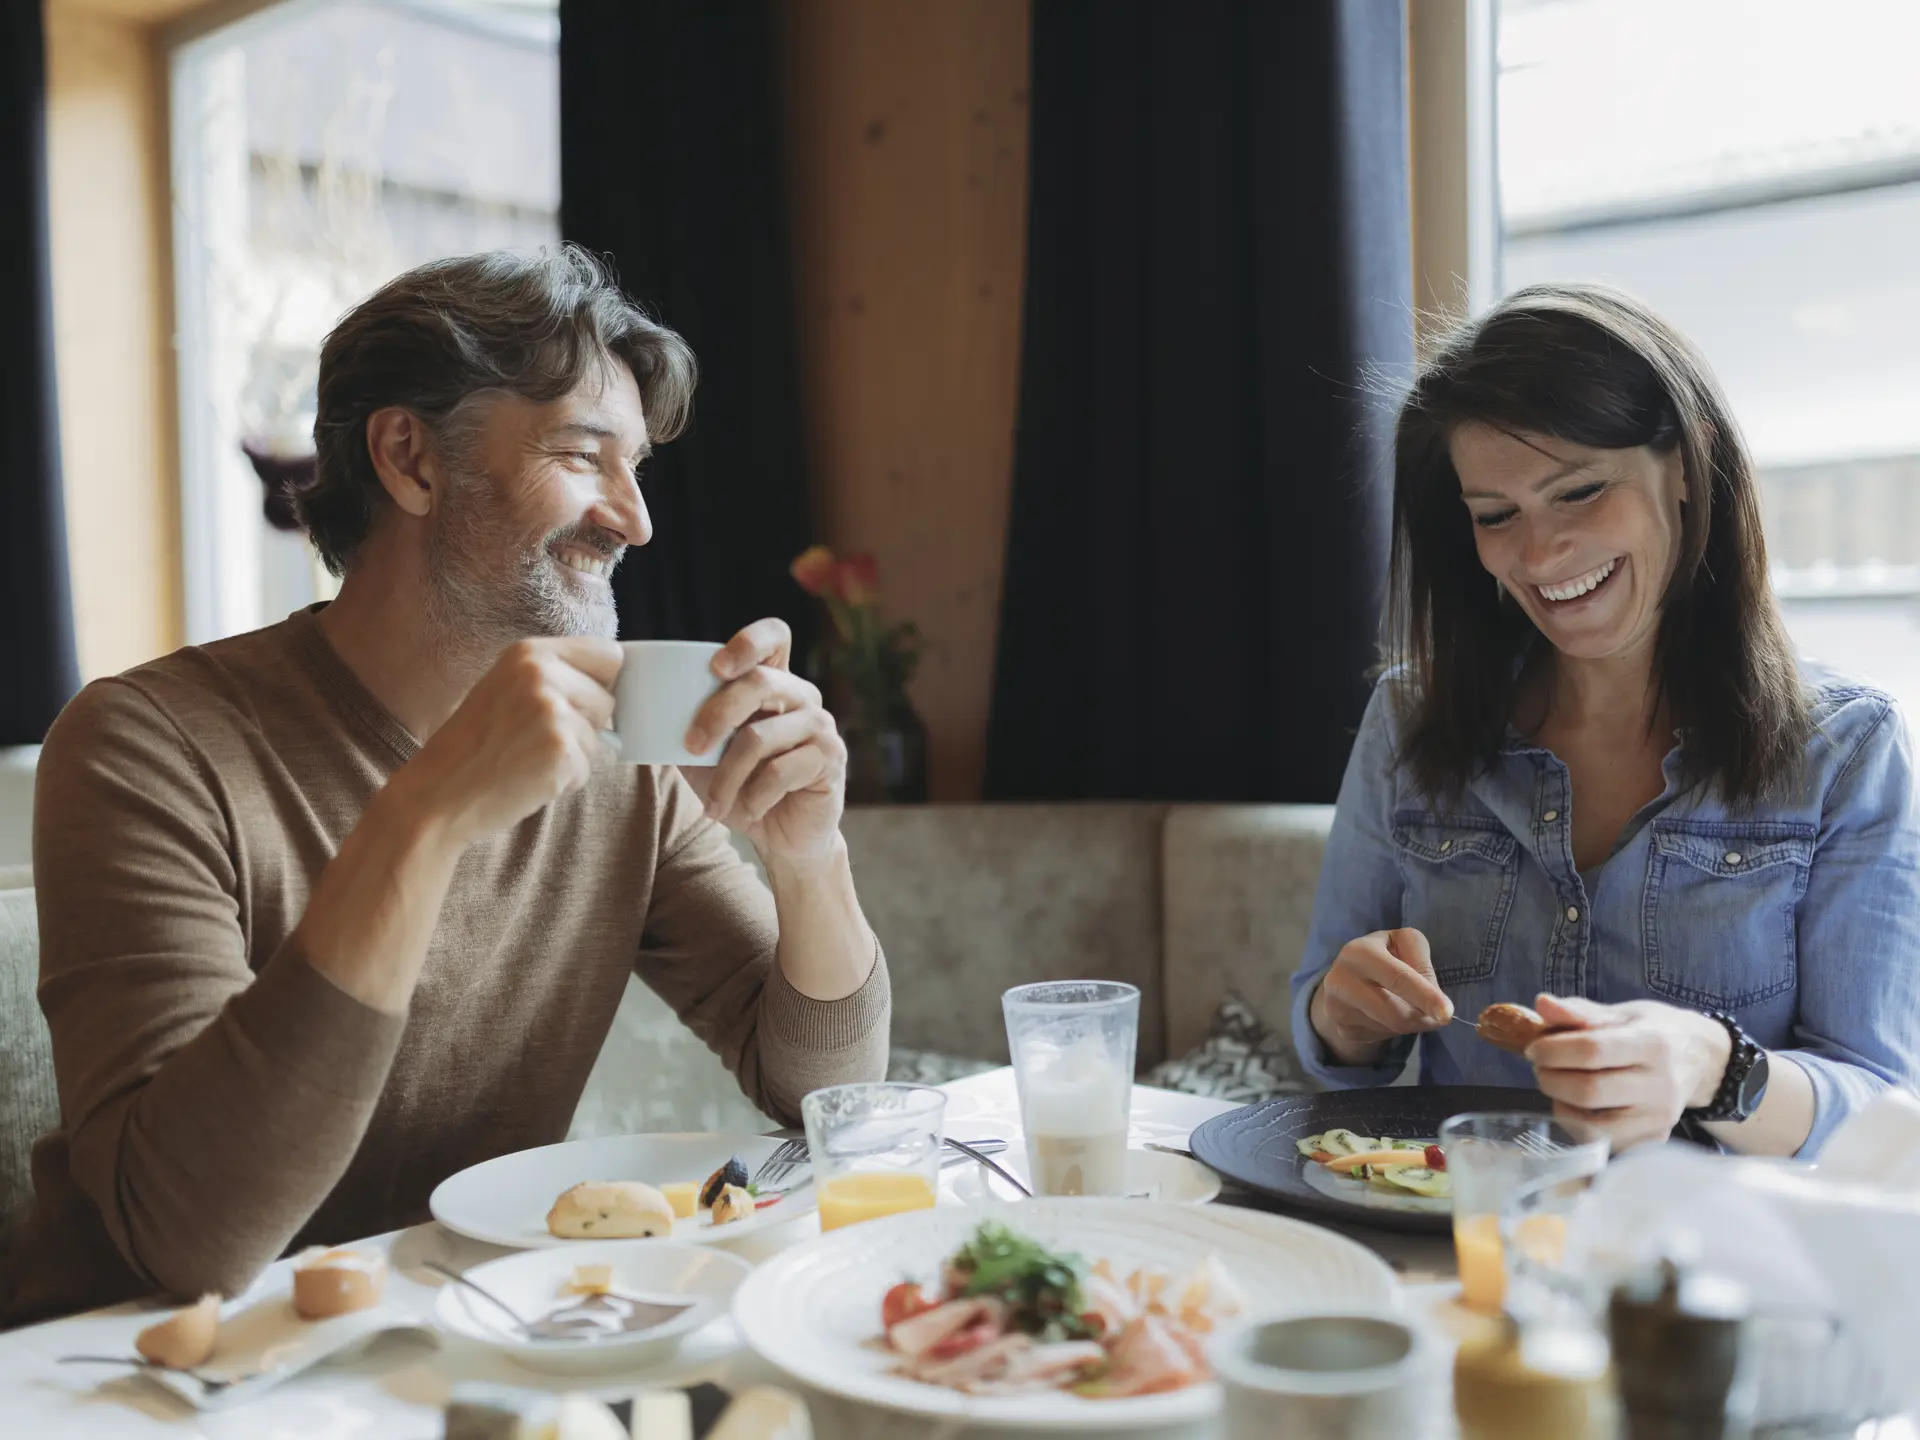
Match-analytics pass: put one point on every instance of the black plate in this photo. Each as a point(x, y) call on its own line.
point(1255, 1146)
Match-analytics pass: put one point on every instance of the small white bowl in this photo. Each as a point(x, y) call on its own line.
point(532, 1283)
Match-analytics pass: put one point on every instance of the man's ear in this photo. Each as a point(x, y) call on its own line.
point(405, 458)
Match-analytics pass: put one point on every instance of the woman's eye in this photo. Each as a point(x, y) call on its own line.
point(1583, 494)
point(1494, 521)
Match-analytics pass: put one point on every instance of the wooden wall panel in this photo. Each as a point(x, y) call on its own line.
point(907, 157)
point(112, 316)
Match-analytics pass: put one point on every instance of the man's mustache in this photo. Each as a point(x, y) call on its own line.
point(589, 537)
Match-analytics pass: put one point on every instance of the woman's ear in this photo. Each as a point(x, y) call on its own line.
point(404, 458)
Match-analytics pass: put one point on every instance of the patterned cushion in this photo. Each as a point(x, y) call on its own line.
point(29, 1104)
point(930, 1067)
point(1242, 1059)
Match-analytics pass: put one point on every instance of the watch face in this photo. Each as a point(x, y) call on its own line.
point(1753, 1088)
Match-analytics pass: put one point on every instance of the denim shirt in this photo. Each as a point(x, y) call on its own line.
point(1801, 918)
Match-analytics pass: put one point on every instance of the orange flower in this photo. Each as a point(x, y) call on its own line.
point(857, 578)
point(814, 570)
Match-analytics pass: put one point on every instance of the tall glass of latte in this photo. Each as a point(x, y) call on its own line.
point(1073, 1044)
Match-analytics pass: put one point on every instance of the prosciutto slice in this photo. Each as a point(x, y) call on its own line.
point(1151, 1357)
point(916, 1335)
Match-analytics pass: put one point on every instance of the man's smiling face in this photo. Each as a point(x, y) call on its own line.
point(542, 501)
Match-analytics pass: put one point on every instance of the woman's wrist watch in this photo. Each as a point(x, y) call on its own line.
point(1743, 1086)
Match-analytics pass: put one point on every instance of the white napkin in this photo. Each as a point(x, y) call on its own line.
point(1812, 1246)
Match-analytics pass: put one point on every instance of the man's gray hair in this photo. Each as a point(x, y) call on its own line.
point(532, 325)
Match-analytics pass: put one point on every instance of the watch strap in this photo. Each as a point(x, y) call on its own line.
point(1742, 1054)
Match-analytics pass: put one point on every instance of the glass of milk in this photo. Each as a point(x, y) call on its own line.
point(1072, 1043)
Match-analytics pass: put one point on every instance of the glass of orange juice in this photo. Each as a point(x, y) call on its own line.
point(875, 1149)
point(1491, 1158)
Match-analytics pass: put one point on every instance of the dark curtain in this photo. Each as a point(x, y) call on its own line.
point(1218, 293)
point(670, 165)
point(38, 671)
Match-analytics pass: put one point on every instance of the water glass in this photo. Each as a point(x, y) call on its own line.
point(1491, 1158)
point(875, 1149)
point(1073, 1045)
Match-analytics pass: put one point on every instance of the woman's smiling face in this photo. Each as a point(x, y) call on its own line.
point(1583, 539)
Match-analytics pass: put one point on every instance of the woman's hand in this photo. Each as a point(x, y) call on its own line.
point(1630, 1069)
point(1379, 987)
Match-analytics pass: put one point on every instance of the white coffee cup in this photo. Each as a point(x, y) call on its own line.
point(1338, 1375)
point(661, 687)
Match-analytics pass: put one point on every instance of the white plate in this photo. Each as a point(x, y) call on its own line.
point(505, 1201)
point(1150, 1175)
point(262, 1342)
point(813, 1309)
point(531, 1283)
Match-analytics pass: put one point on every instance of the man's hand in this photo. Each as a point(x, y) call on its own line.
point(1379, 987)
point(782, 778)
point(524, 736)
point(1628, 1069)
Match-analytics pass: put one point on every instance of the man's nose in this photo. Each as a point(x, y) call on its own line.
point(626, 510)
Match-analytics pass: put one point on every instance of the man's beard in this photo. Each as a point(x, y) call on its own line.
point(489, 589)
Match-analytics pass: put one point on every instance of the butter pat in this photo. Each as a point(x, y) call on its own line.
point(684, 1197)
point(485, 1412)
point(765, 1413)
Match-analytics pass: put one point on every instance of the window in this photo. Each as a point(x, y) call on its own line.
point(320, 147)
point(1751, 168)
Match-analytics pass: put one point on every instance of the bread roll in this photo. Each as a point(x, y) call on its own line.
point(185, 1338)
point(337, 1282)
point(610, 1210)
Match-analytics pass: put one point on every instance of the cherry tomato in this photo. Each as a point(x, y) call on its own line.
point(902, 1302)
point(1436, 1158)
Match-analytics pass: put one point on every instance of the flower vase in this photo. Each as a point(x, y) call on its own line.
point(886, 762)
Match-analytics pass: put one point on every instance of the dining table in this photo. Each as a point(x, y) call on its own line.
point(397, 1386)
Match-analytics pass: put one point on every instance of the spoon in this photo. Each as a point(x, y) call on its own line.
point(593, 1317)
point(993, 1165)
point(212, 1386)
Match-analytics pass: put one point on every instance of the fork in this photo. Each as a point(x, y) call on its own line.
point(790, 1155)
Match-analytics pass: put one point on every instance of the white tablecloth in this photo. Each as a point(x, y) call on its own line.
point(395, 1391)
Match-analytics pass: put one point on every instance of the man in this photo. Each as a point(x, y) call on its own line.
point(332, 910)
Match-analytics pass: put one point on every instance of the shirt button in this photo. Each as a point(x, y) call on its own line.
point(1551, 816)
point(1573, 912)
point(1733, 857)
point(1446, 845)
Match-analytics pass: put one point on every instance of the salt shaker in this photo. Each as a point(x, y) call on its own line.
point(1677, 1337)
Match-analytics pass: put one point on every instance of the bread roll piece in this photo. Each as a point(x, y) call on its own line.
point(733, 1203)
point(327, 1283)
point(610, 1210)
point(185, 1338)
point(1512, 1027)
point(765, 1412)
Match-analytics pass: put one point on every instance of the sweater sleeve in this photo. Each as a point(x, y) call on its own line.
point(209, 1107)
point(709, 950)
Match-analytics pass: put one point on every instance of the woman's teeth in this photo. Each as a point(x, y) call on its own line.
point(595, 565)
point(1579, 585)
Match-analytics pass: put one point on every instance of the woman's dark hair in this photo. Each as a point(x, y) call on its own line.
point(533, 325)
point(1592, 367)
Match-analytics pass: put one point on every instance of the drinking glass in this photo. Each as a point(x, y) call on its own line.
point(1491, 1157)
point(875, 1149)
point(1073, 1043)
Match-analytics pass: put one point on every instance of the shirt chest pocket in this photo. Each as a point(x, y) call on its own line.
point(1719, 911)
point(1457, 879)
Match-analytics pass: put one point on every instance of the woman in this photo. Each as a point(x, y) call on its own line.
point(1594, 775)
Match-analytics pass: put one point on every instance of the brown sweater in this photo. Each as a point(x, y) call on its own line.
point(221, 1101)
